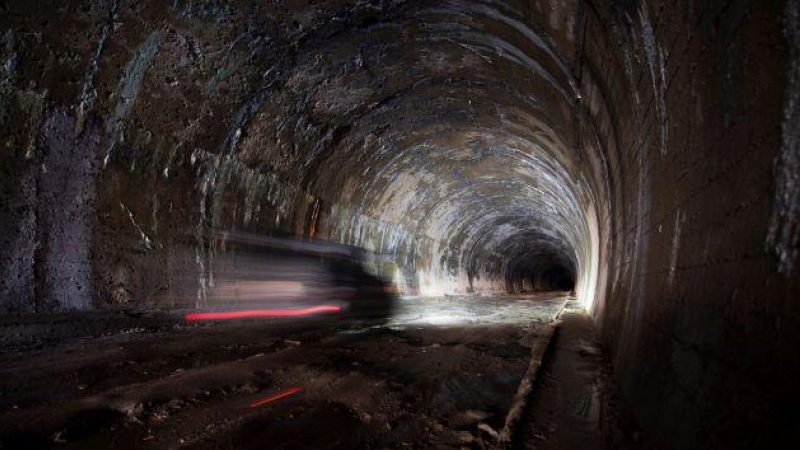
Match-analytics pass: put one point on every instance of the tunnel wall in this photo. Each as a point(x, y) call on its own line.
point(117, 162)
point(696, 116)
point(198, 116)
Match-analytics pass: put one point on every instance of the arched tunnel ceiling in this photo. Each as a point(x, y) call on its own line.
point(447, 136)
point(454, 121)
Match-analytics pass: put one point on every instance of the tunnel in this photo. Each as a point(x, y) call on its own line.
point(637, 159)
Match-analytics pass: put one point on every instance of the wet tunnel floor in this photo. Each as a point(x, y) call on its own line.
point(440, 373)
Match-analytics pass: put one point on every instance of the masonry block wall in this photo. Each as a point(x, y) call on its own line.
point(701, 309)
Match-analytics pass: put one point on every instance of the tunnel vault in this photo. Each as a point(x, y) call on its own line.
point(444, 135)
point(447, 132)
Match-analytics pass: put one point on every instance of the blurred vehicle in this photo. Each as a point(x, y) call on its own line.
point(264, 276)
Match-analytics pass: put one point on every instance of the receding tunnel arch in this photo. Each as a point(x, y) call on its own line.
point(454, 124)
point(445, 136)
point(539, 267)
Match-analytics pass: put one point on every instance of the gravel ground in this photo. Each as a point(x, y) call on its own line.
point(439, 373)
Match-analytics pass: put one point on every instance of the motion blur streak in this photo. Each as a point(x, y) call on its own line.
point(250, 313)
point(283, 394)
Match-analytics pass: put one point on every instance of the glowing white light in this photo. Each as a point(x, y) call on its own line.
point(441, 319)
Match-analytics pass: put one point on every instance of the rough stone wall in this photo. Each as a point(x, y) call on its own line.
point(697, 112)
point(236, 115)
point(120, 125)
point(66, 213)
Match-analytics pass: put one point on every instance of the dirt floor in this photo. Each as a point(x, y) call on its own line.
point(575, 403)
point(439, 373)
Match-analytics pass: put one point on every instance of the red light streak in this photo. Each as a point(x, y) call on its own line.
point(250, 313)
point(283, 394)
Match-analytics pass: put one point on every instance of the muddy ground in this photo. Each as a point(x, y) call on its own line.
point(439, 373)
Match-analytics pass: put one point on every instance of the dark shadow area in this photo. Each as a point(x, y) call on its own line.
point(541, 270)
point(297, 427)
point(76, 428)
point(556, 278)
